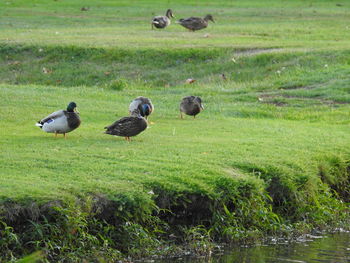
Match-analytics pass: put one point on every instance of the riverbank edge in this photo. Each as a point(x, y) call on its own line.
point(162, 222)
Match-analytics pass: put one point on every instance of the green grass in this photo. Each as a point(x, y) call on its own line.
point(185, 153)
point(292, 24)
point(278, 126)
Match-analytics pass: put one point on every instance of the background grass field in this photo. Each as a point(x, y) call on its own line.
point(278, 124)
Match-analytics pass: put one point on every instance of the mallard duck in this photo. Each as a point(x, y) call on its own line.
point(196, 23)
point(62, 121)
point(128, 126)
point(143, 104)
point(162, 21)
point(191, 105)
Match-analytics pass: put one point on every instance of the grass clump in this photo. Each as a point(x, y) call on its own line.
point(335, 172)
point(118, 84)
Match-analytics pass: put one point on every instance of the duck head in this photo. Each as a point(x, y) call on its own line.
point(72, 107)
point(169, 13)
point(145, 110)
point(209, 17)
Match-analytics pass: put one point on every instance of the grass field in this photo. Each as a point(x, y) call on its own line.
point(279, 124)
point(125, 24)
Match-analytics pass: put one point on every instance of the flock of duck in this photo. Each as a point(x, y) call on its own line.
point(192, 23)
point(64, 121)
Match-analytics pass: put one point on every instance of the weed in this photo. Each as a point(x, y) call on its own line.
point(118, 84)
point(198, 240)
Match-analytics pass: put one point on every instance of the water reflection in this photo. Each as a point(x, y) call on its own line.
point(331, 248)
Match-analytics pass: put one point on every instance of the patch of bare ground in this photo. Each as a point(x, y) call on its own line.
point(257, 51)
point(280, 100)
point(295, 87)
point(320, 100)
point(233, 172)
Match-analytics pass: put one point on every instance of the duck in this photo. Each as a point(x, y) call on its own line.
point(162, 21)
point(196, 23)
point(128, 126)
point(143, 104)
point(61, 121)
point(191, 105)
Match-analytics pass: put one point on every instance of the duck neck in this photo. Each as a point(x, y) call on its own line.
point(70, 108)
point(206, 18)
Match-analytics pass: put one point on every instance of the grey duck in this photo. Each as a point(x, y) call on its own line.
point(196, 23)
point(62, 121)
point(128, 126)
point(191, 105)
point(162, 21)
point(143, 104)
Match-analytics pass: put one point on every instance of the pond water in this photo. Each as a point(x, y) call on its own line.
point(333, 248)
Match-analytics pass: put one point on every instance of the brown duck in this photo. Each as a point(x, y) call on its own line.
point(195, 23)
point(128, 126)
point(191, 105)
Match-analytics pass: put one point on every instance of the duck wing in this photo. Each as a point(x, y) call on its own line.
point(144, 100)
point(117, 123)
point(127, 126)
point(188, 100)
point(52, 116)
point(193, 22)
point(160, 21)
point(134, 105)
point(189, 105)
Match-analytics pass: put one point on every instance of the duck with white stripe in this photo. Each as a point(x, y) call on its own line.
point(162, 21)
point(61, 121)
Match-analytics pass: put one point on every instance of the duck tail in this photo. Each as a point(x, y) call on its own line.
point(108, 131)
point(39, 124)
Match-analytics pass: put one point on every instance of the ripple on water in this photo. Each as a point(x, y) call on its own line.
point(332, 248)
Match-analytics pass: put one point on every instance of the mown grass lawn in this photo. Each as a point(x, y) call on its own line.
point(270, 149)
point(184, 154)
point(126, 24)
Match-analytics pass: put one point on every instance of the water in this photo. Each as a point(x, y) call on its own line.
point(332, 248)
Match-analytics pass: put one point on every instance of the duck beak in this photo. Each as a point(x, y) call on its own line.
point(202, 107)
point(76, 110)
